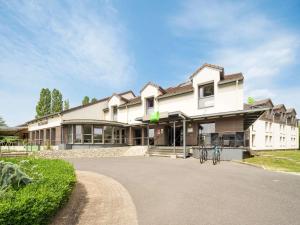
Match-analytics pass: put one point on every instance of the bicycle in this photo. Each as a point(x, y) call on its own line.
point(202, 154)
point(216, 158)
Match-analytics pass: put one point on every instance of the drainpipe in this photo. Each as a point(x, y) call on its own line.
point(184, 135)
point(174, 133)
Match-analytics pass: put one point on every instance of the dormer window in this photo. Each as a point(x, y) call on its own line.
point(149, 106)
point(206, 94)
point(206, 90)
point(115, 113)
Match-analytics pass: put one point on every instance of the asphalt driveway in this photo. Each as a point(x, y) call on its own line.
point(183, 192)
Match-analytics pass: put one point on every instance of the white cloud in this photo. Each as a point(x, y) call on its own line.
point(60, 43)
point(242, 38)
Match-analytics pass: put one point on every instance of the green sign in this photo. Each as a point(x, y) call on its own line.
point(251, 100)
point(154, 117)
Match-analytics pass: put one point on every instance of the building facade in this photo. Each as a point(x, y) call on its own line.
point(208, 106)
point(277, 128)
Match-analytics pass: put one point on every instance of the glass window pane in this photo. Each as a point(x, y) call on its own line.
point(70, 135)
point(107, 134)
point(87, 133)
point(78, 133)
point(208, 90)
point(98, 133)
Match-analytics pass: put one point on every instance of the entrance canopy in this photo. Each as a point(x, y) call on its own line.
point(166, 117)
point(249, 115)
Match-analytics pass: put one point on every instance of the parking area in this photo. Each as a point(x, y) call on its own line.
point(183, 192)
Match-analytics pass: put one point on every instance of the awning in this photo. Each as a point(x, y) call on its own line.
point(10, 131)
point(165, 116)
point(249, 115)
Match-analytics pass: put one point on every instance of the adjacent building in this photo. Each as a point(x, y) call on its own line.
point(277, 128)
point(209, 106)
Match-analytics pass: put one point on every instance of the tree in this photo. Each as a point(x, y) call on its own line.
point(86, 100)
point(57, 102)
point(2, 122)
point(93, 100)
point(66, 104)
point(43, 106)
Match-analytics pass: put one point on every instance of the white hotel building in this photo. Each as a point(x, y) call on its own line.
point(210, 103)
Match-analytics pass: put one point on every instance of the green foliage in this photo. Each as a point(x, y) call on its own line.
point(12, 176)
point(2, 122)
point(57, 102)
point(250, 100)
point(37, 202)
point(43, 107)
point(66, 104)
point(86, 100)
point(93, 100)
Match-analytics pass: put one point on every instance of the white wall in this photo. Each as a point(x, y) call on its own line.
point(227, 97)
point(51, 122)
point(94, 111)
point(282, 136)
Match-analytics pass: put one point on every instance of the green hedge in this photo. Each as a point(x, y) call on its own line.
point(38, 201)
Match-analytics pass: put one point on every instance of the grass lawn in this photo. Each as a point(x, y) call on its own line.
point(288, 160)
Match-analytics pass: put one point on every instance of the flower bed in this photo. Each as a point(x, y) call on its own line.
point(36, 202)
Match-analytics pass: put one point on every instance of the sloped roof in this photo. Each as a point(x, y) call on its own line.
point(279, 106)
point(78, 107)
point(210, 66)
point(172, 91)
point(291, 110)
point(133, 101)
point(262, 102)
point(234, 76)
point(155, 85)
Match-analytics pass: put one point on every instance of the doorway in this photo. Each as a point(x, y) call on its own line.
point(178, 135)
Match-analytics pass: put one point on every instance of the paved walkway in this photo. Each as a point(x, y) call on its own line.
point(183, 192)
point(97, 200)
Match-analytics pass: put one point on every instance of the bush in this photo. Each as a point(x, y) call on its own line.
point(38, 201)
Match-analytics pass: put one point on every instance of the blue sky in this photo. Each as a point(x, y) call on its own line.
point(96, 48)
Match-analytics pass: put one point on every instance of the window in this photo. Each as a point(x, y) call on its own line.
point(98, 134)
point(149, 106)
point(266, 126)
point(107, 134)
point(78, 134)
point(115, 113)
point(253, 140)
point(266, 140)
point(208, 128)
point(206, 90)
point(117, 133)
point(123, 136)
point(87, 133)
point(70, 134)
point(206, 95)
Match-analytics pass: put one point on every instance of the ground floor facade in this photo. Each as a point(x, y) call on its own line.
point(178, 132)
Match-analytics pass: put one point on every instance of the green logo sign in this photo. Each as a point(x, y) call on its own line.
point(154, 117)
point(251, 100)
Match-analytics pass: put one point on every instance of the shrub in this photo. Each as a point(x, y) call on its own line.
point(38, 201)
point(11, 176)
